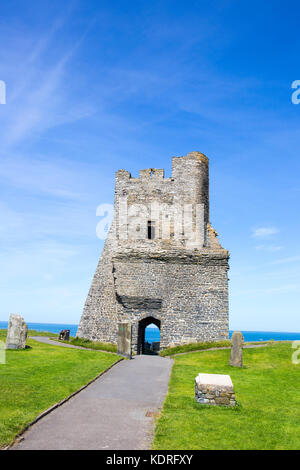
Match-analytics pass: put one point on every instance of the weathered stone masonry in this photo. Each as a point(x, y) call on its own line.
point(173, 281)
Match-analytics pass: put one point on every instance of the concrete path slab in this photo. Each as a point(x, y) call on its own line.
point(110, 413)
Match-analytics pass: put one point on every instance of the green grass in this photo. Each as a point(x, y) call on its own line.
point(34, 379)
point(41, 333)
point(268, 393)
point(194, 347)
point(86, 343)
point(32, 333)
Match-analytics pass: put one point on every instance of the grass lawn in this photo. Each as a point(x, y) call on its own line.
point(268, 392)
point(30, 333)
point(34, 379)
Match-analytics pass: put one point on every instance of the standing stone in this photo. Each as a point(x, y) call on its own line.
point(124, 340)
point(236, 356)
point(16, 333)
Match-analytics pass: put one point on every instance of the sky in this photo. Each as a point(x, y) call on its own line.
point(96, 86)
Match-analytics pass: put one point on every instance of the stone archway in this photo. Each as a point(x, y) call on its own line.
point(141, 332)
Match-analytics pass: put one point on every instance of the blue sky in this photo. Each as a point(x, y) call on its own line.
point(95, 86)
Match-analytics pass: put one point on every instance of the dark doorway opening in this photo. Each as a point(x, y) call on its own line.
point(142, 346)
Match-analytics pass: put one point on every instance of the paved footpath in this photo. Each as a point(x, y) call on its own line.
point(110, 413)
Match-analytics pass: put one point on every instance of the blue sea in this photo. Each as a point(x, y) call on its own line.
point(152, 334)
point(51, 327)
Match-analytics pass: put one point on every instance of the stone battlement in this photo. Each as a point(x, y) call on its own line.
point(158, 174)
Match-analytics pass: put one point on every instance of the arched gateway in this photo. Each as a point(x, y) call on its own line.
point(141, 332)
point(162, 262)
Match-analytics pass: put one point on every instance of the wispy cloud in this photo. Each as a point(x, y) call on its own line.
point(264, 232)
point(284, 289)
point(38, 92)
point(271, 248)
point(44, 177)
point(291, 259)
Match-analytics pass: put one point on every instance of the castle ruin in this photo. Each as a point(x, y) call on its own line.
point(162, 262)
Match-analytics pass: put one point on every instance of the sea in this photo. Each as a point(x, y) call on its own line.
point(152, 334)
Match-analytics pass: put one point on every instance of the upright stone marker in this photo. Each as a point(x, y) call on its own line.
point(236, 356)
point(16, 333)
point(124, 339)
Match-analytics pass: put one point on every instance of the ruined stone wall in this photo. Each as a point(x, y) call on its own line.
point(181, 283)
point(99, 319)
point(188, 295)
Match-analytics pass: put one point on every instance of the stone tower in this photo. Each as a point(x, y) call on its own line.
point(162, 262)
